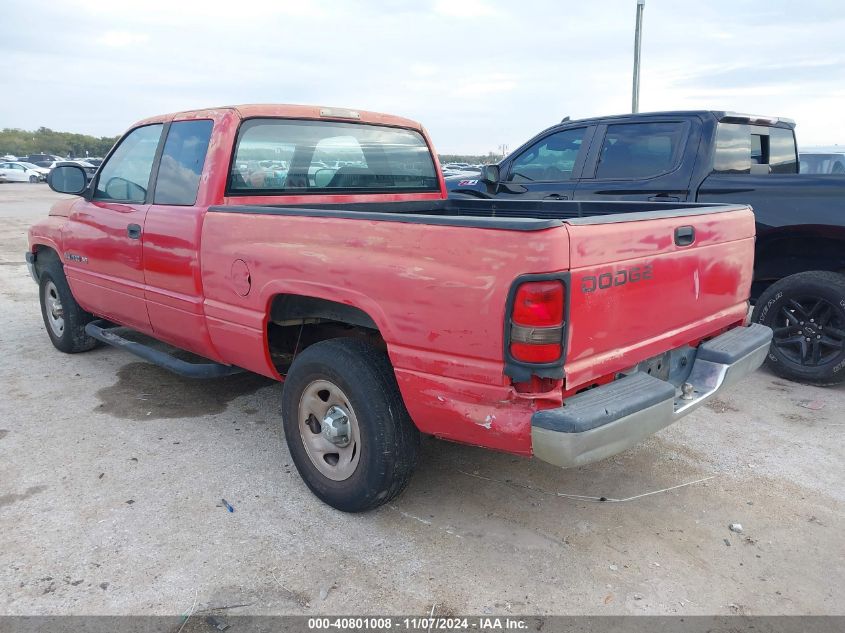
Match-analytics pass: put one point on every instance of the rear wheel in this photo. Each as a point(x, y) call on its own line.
point(806, 311)
point(64, 319)
point(346, 426)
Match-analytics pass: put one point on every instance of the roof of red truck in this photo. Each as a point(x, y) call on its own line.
point(292, 111)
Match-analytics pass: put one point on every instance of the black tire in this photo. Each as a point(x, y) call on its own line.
point(807, 313)
point(71, 338)
point(388, 441)
point(34, 179)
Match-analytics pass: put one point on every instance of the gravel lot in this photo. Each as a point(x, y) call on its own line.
point(112, 473)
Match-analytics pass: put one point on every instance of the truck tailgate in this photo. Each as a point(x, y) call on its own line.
point(638, 289)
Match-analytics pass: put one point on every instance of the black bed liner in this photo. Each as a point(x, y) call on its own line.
point(515, 215)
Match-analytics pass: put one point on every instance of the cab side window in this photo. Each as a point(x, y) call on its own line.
point(126, 175)
point(182, 161)
point(640, 150)
point(551, 159)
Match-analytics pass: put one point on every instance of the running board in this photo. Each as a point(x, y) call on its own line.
point(103, 331)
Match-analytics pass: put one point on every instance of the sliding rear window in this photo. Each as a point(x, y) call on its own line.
point(286, 156)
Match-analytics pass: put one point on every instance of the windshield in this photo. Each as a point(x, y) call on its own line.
point(291, 156)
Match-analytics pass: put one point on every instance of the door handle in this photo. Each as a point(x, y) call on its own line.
point(556, 196)
point(664, 197)
point(684, 235)
point(133, 231)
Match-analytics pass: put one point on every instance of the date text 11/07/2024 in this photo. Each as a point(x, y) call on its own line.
point(491, 624)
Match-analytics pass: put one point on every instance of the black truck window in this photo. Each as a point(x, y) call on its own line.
point(739, 146)
point(759, 149)
point(733, 149)
point(640, 150)
point(783, 158)
point(551, 159)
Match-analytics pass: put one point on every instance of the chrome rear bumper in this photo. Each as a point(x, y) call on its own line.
point(610, 419)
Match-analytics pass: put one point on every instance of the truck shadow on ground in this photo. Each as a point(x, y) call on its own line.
point(146, 392)
point(646, 468)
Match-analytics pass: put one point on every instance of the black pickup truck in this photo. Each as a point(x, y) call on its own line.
point(710, 156)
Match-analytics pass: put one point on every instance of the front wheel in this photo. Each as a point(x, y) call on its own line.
point(64, 318)
point(806, 312)
point(346, 426)
point(33, 179)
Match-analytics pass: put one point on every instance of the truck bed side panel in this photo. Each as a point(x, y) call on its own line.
point(781, 200)
point(437, 293)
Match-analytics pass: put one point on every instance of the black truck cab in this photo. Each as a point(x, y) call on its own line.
point(709, 156)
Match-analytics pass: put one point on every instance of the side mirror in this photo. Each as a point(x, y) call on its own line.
point(490, 174)
point(67, 179)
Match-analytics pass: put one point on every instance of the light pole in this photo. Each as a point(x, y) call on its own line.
point(638, 32)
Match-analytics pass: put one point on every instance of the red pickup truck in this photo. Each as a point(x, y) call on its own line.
point(317, 246)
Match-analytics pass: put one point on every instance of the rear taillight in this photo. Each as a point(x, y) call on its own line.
point(537, 322)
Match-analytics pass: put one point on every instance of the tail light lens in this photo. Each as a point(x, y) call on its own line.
point(537, 322)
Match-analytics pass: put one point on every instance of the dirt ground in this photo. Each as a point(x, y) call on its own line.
point(112, 473)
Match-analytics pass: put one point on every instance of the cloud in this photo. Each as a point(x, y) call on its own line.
point(119, 39)
point(465, 8)
point(476, 73)
point(486, 85)
point(425, 70)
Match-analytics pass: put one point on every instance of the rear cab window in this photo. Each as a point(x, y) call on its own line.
point(280, 156)
point(754, 149)
point(641, 150)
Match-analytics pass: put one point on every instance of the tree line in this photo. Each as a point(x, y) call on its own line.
point(472, 159)
point(46, 141)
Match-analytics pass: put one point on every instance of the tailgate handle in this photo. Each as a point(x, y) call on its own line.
point(684, 235)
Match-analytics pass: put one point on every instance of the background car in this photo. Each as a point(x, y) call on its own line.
point(456, 172)
point(823, 161)
point(20, 172)
point(90, 169)
point(42, 160)
point(44, 171)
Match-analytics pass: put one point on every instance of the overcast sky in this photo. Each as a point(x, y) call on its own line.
point(476, 73)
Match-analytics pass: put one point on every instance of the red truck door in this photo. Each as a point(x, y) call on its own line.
point(102, 239)
point(172, 231)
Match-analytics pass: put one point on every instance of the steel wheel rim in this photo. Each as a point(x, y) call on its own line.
point(53, 309)
point(809, 331)
point(337, 463)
